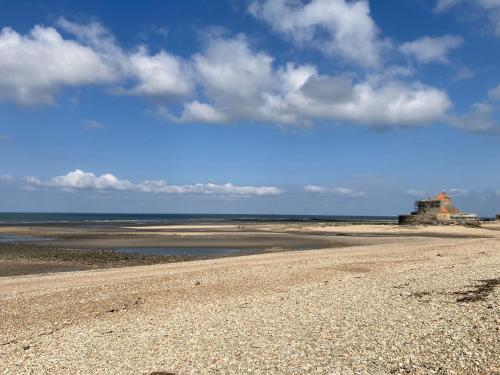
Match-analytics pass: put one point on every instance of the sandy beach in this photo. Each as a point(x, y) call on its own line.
point(395, 300)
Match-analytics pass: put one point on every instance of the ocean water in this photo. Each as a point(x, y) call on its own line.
point(103, 218)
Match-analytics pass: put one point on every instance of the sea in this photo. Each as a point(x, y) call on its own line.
point(26, 218)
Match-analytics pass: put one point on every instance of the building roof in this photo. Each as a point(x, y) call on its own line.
point(442, 196)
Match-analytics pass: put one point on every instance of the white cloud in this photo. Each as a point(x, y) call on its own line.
point(35, 66)
point(494, 94)
point(94, 35)
point(337, 27)
point(443, 5)
point(79, 179)
point(83, 180)
point(390, 103)
point(6, 179)
point(490, 9)
point(315, 189)
point(233, 76)
point(202, 112)
point(4, 137)
point(340, 191)
point(431, 49)
point(159, 75)
point(480, 119)
point(483, 117)
point(228, 81)
point(31, 183)
point(464, 74)
point(210, 188)
point(243, 85)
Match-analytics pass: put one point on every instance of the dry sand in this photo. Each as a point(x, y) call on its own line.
point(419, 305)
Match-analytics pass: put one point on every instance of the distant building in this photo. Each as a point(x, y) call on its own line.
point(438, 209)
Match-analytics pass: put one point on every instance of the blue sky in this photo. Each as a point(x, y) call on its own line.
point(265, 106)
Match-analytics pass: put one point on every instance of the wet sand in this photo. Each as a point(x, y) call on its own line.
point(17, 268)
point(76, 247)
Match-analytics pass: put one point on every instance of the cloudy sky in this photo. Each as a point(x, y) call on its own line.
point(259, 106)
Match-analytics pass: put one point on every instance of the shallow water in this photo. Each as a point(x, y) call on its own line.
point(11, 238)
point(181, 251)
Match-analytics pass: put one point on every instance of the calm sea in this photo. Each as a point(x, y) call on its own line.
point(103, 218)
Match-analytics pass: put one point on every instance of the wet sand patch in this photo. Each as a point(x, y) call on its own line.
point(18, 268)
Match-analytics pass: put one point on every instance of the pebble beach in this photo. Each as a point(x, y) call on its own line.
point(418, 305)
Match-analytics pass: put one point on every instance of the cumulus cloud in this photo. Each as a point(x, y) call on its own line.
point(82, 180)
point(329, 89)
point(79, 179)
point(337, 27)
point(233, 75)
point(431, 49)
point(35, 66)
point(227, 81)
point(154, 75)
point(242, 84)
point(340, 191)
point(390, 103)
point(159, 75)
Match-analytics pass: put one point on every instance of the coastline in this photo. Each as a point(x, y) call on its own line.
point(78, 246)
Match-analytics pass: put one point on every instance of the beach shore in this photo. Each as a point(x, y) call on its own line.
point(55, 248)
point(395, 300)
